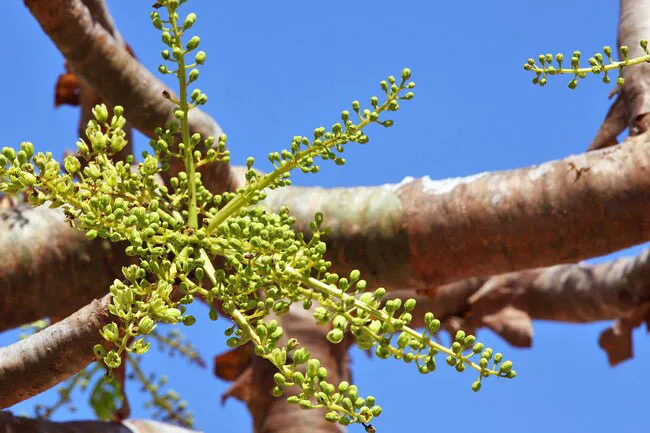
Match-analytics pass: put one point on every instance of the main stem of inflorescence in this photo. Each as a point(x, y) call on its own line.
point(188, 157)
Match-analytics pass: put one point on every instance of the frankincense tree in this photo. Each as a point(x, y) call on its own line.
point(227, 249)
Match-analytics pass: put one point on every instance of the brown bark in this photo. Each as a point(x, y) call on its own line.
point(49, 269)
point(618, 290)
point(50, 356)
point(10, 424)
point(424, 233)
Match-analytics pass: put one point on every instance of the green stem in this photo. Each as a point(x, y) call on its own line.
point(188, 157)
point(605, 68)
point(243, 199)
point(332, 291)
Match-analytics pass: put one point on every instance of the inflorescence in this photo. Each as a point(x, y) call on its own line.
point(178, 231)
point(599, 63)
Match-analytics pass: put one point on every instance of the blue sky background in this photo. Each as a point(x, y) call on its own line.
point(278, 69)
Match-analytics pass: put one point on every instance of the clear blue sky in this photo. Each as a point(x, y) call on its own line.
point(281, 68)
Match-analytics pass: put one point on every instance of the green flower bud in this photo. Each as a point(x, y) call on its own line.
point(190, 19)
point(193, 43)
point(200, 57)
point(146, 325)
point(140, 347)
point(26, 179)
point(71, 164)
point(194, 75)
point(82, 147)
point(332, 416)
point(476, 386)
point(279, 379)
point(298, 378)
point(28, 148)
point(505, 367)
point(312, 367)
point(100, 112)
point(9, 153)
point(300, 356)
point(112, 359)
point(335, 336)
point(110, 332)
point(99, 351)
point(409, 305)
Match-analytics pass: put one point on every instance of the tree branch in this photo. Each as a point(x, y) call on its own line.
point(425, 233)
point(49, 269)
point(50, 356)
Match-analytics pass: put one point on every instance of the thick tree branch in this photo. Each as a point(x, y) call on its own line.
point(425, 233)
point(49, 269)
point(579, 293)
point(50, 356)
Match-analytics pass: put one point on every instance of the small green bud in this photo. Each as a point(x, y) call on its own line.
point(624, 51)
point(335, 336)
point(146, 325)
point(279, 379)
point(476, 386)
point(100, 112)
point(312, 367)
point(194, 75)
point(409, 305)
point(300, 356)
point(112, 359)
point(505, 367)
point(190, 19)
point(199, 58)
point(332, 416)
point(193, 43)
point(99, 351)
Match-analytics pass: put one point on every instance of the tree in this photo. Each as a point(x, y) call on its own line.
point(570, 224)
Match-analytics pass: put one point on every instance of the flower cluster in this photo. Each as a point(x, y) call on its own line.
point(227, 249)
point(599, 63)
